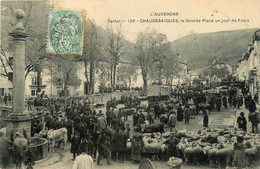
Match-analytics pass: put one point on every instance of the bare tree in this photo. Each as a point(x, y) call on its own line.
point(115, 49)
point(64, 74)
point(91, 54)
point(35, 22)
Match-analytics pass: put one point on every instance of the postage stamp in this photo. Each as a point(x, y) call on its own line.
point(65, 32)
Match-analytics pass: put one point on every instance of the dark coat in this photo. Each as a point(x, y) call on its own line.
point(252, 106)
point(205, 120)
point(121, 140)
point(103, 144)
point(156, 109)
point(242, 123)
point(224, 100)
point(113, 139)
point(75, 142)
point(179, 113)
point(137, 147)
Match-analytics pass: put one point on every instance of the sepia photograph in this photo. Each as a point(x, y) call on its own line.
point(129, 84)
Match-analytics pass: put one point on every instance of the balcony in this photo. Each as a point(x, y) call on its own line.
point(35, 85)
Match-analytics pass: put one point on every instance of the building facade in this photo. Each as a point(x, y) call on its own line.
point(248, 68)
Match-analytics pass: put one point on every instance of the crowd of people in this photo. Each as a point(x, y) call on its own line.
point(6, 99)
point(96, 134)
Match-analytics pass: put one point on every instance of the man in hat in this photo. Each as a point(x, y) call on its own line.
point(109, 116)
point(157, 110)
point(83, 161)
point(75, 142)
point(121, 143)
point(5, 143)
point(172, 120)
point(252, 106)
point(241, 121)
point(186, 112)
point(205, 119)
point(103, 144)
point(101, 122)
point(239, 153)
point(179, 113)
point(172, 142)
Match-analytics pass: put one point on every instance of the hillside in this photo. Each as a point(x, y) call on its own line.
point(198, 50)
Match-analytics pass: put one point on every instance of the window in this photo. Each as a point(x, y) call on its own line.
point(34, 81)
point(59, 84)
point(10, 60)
point(33, 92)
point(2, 91)
point(10, 76)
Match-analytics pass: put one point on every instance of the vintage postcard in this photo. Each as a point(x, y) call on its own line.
point(148, 84)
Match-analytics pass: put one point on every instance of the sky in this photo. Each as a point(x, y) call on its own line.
point(102, 10)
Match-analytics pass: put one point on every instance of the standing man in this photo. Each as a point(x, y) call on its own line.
point(156, 110)
point(150, 117)
point(83, 161)
point(256, 97)
point(252, 106)
point(205, 119)
point(218, 102)
point(252, 114)
point(239, 153)
point(224, 100)
point(172, 143)
point(179, 113)
point(122, 141)
point(103, 147)
point(5, 99)
point(248, 97)
point(241, 121)
point(135, 118)
point(75, 142)
point(172, 120)
point(109, 117)
point(187, 114)
point(101, 122)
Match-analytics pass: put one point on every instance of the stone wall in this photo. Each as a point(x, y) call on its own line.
point(103, 98)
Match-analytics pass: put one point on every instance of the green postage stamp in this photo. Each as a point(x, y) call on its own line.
point(65, 32)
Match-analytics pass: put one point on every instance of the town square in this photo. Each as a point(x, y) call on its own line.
point(161, 88)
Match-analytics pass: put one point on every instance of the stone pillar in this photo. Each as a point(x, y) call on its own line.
point(19, 120)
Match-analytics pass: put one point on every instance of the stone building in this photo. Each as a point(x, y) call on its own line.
point(248, 68)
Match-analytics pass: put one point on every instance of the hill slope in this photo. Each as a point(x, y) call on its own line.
point(198, 50)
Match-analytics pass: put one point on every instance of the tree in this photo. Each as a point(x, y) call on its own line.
point(161, 50)
point(115, 49)
point(219, 72)
point(64, 74)
point(91, 54)
point(144, 48)
point(171, 68)
point(127, 72)
point(35, 22)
